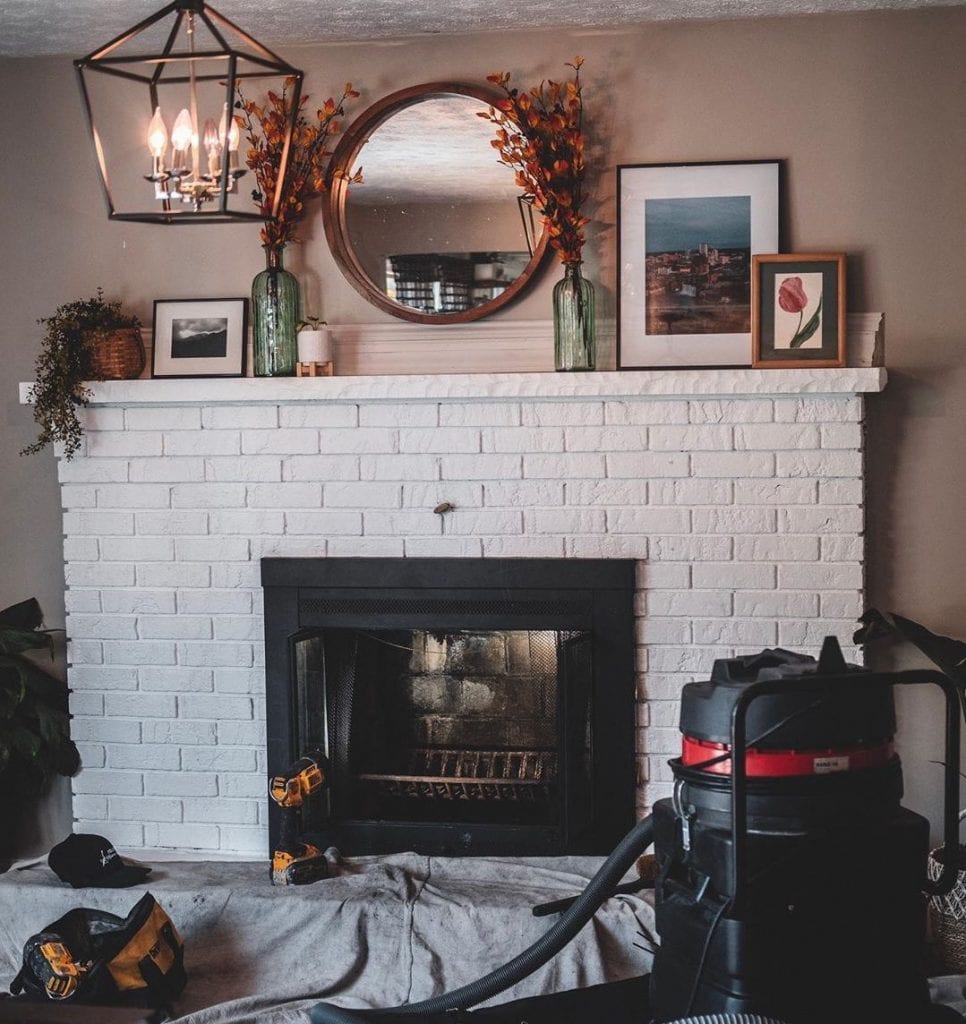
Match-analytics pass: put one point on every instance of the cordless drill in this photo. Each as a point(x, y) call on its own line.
point(294, 861)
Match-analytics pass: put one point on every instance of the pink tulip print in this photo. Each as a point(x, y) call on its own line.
point(791, 295)
point(800, 297)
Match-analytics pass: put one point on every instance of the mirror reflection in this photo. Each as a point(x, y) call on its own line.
point(437, 224)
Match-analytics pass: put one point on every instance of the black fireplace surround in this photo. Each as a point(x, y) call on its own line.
point(465, 705)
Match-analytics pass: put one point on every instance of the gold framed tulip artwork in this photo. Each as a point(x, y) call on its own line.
point(798, 310)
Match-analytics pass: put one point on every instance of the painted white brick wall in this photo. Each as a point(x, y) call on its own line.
point(745, 515)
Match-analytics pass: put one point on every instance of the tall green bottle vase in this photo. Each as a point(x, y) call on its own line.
point(275, 315)
point(574, 326)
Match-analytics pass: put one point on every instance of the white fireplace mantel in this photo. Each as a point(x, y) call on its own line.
point(600, 386)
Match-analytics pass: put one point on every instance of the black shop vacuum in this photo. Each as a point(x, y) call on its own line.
point(790, 878)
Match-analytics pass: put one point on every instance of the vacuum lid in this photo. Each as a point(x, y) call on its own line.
point(837, 717)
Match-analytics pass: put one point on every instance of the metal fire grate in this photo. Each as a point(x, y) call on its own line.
point(435, 774)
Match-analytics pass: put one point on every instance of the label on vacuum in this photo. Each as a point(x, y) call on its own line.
point(827, 765)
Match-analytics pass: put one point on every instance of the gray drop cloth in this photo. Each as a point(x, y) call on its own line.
point(950, 990)
point(383, 931)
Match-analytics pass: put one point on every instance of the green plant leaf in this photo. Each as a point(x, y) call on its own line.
point(22, 742)
point(66, 760)
point(32, 678)
point(51, 724)
point(10, 698)
point(64, 363)
point(35, 743)
point(809, 328)
point(13, 640)
point(25, 615)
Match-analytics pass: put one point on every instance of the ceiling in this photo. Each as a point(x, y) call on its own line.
point(35, 27)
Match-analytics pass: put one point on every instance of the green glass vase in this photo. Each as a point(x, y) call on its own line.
point(574, 329)
point(275, 316)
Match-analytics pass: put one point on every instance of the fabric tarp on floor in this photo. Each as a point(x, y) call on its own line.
point(383, 931)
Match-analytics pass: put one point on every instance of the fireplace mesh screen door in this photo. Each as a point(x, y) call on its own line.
point(458, 726)
point(489, 710)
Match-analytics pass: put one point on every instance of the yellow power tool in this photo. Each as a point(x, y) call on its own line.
point(65, 973)
point(295, 861)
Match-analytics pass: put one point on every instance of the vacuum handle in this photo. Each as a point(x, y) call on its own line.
point(819, 684)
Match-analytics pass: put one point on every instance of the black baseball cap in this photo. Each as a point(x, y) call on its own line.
point(87, 861)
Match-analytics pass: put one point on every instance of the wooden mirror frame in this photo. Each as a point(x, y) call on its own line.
point(335, 204)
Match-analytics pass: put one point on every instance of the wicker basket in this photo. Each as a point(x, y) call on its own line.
point(116, 355)
point(947, 920)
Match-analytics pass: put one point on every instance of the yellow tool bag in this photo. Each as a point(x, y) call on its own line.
point(91, 956)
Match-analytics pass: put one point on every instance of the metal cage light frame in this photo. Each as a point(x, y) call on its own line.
point(149, 70)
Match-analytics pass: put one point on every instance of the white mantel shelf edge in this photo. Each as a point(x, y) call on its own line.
point(626, 384)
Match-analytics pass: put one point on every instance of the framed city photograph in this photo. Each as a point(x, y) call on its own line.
point(798, 310)
point(686, 234)
point(199, 337)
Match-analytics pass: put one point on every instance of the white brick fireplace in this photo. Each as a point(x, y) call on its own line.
point(740, 492)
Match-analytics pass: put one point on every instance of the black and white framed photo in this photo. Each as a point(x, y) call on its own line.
point(686, 236)
point(199, 337)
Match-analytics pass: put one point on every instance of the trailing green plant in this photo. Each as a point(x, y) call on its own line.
point(311, 323)
point(35, 743)
point(64, 363)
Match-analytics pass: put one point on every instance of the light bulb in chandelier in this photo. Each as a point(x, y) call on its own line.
point(157, 138)
point(228, 126)
point(182, 135)
point(211, 140)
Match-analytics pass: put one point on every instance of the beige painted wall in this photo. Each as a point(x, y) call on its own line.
point(868, 111)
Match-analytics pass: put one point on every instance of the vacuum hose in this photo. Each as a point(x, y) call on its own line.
point(599, 888)
point(728, 1018)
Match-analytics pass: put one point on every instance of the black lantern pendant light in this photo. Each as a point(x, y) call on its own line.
point(160, 101)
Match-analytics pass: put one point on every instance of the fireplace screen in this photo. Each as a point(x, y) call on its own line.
point(464, 705)
point(455, 726)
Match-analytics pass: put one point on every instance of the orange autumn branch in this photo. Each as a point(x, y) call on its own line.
point(540, 136)
point(265, 127)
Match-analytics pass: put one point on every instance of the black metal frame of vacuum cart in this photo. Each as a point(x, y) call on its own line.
point(955, 706)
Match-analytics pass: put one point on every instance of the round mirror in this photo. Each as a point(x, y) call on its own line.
point(437, 230)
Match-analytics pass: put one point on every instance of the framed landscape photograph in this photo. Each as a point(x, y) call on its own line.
point(686, 235)
point(199, 337)
point(798, 307)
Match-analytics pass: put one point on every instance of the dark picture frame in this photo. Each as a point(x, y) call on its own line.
point(199, 338)
point(798, 310)
point(686, 234)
